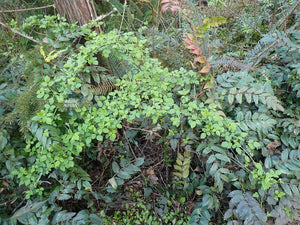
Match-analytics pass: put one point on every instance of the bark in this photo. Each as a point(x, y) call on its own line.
point(77, 10)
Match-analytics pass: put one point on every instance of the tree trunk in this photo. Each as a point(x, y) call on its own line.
point(77, 10)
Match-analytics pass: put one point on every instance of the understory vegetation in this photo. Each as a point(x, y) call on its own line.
point(178, 112)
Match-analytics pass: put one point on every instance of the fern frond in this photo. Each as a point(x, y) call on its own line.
point(261, 49)
point(71, 103)
point(168, 50)
point(232, 63)
point(182, 165)
point(103, 88)
point(116, 67)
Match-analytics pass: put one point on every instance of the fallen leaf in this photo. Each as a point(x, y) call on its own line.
point(205, 69)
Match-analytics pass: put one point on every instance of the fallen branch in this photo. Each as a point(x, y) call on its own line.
point(18, 33)
point(23, 10)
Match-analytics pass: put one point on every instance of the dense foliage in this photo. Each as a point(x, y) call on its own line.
point(179, 112)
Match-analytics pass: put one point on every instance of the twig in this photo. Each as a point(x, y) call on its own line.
point(18, 33)
point(125, 4)
point(148, 131)
point(23, 10)
point(284, 20)
point(240, 17)
point(99, 18)
point(106, 15)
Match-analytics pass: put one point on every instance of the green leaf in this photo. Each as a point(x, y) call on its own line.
point(62, 216)
point(139, 161)
point(211, 159)
point(62, 197)
point(185, 172)
point(230, 99)
point(248, 98)
point(213, 169)
point(96, 77)
point(222, 157)
point(131, 169)
point(239, 98)
point(113, 183)
point(285, 155)
point(286, 189)
point(255, 99)
point(82, 216)
point(174, 143)
point(96, 220)
point(192, 123)
point(124, 175)
point(115, 167)
point(39, 134)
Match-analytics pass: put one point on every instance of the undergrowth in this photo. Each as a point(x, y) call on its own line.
point(187, 116)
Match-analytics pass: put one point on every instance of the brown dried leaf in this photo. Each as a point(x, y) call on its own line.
point(205, 69)
point(272, 147)
point(200, 59)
